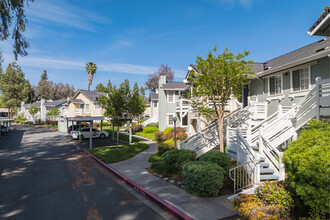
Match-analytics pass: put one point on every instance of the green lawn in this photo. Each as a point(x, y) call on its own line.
point(110, 154)
point(123, 137)
point(146, 135)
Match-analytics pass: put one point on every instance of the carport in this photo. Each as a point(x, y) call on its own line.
point(78, 120)
point(6, 122)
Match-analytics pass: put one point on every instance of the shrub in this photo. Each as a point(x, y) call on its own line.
point(159, 136)
point(165, 146)
point(137, 128)
point(163, 169)
point(169, 136)
point(181, 136)
point(96, 124)
point(202, 178)
point(274, 193)
point(167, 130)
point(155, 158)
point(50, 122)
point(222, 159)
point(251, 207)
point(177, 158)
point(152, 125)
point(179, 130)
point(20, 118)
point(150, 130)
point(308, 166)
point(106, 124)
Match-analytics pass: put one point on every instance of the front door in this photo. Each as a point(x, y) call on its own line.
point(245, 95)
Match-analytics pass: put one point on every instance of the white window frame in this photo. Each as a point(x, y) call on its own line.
point(97, 106)
point(168, 119)
point(89, 108)
point(168, 96)
point(304, 92)
point(276, 96)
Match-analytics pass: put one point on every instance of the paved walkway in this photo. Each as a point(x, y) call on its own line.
point(195, 207)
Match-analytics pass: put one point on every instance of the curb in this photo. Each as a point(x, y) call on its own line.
point(158, 201)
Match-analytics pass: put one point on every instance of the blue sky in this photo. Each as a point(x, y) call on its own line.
point(130, 39)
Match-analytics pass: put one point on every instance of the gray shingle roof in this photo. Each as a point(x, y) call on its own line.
point(55, 103)
point(92, 95)
point(153, 96)
point(299, 54)
point(326, 12)
point(77, 101)
point(175, 86)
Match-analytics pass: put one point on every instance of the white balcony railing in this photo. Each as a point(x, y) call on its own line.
point(182, 105)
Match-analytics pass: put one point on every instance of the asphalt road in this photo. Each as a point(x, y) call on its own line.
point(44, 176)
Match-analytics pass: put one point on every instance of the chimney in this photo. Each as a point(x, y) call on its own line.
point(42, 110)
point(265, 66)
point(157, 90)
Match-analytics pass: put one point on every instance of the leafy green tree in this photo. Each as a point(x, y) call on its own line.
point(307, 165)
point(14, 10)
point(91, 69)
point(45, 88)
point(220, 76)
point(13, 87)
point(53, 112)
point(33, 110)
point(122, 104)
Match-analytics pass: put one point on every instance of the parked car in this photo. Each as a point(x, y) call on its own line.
point(75, 127)
point(85, 133)
point(4, 129)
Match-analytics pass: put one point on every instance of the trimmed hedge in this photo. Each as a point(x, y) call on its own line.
point(203, 178)
point(163, 169)
point(152, 125)
point(165, 146)
point(177, 158)
point(221, 159)
point(150, 130)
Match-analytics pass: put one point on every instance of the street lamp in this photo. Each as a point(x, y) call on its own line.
point(174, 120)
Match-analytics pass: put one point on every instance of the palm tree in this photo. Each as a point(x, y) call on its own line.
point(91, 69)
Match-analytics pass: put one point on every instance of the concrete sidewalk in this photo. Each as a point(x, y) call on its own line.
point(197, 208)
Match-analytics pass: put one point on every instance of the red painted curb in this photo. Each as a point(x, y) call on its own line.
point(164, 205)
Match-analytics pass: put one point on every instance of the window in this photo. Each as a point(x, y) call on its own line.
point(97, 106)
point(300, 79)
point(155, 104)
point(170, 119)
point(185, 120)
point(87, 108)
point(275, 85)
point(81, 105)
point(170, 96)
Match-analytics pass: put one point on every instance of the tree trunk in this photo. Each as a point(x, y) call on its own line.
point(220, 124)
point(117, 136)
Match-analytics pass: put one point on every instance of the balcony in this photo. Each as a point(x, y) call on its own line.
point(182, 105)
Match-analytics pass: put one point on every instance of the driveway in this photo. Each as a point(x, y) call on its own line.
point(45, 176)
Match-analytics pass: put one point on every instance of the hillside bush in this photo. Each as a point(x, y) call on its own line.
point(153, 158)
point(250, 207)
point(159, 136)
point(203, 178)
point(152, 125)
point(274, 193)
point(165, 146)
point(177, 158)
point(147, 130)
point(222, 159)
point(307, 164)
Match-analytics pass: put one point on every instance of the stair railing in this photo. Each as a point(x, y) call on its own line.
point(272, 153)
point(248, 173)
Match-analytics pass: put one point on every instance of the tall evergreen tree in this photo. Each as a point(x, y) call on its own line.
point(100, 88)
point(13, 87)
point(44, 88)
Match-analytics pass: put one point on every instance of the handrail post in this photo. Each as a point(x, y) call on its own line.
point(318, 83)
point(257, 169)
point(261, 145)
point(281, 168)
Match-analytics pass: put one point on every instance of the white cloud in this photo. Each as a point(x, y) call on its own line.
point(63, 14)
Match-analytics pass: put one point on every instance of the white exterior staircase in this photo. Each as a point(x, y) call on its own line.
point(256, 142)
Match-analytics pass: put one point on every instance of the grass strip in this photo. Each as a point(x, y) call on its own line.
point(112, 154)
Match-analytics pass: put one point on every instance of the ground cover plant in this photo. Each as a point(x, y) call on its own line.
point(112, 154)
